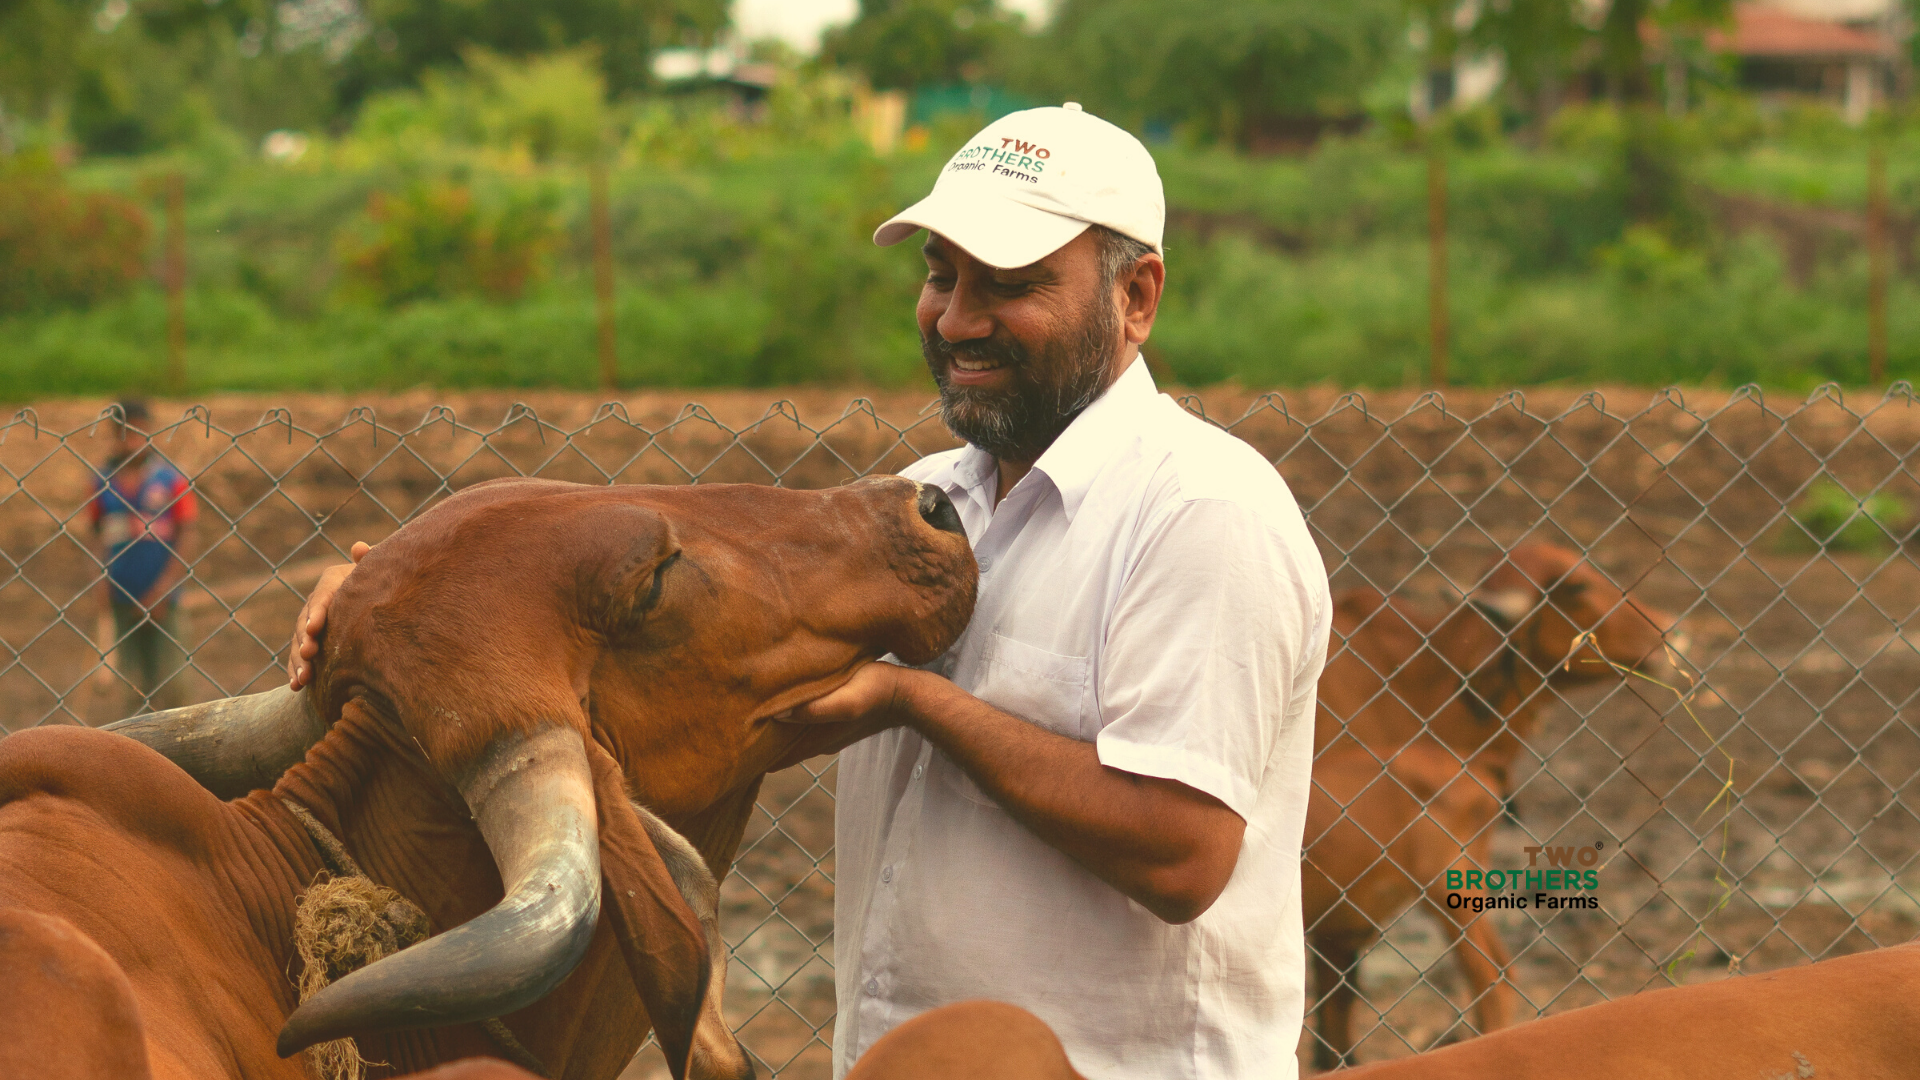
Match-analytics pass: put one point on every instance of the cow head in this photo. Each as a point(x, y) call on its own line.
point(1569, 622)
point(550, 649)
point(1543, 616)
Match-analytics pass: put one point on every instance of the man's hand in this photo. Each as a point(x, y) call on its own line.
point(155, 601)
point(313, 618)
point(1167, 846)
point(872, 697)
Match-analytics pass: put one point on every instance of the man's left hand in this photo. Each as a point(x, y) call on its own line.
point(874, 699)
point(157, 599)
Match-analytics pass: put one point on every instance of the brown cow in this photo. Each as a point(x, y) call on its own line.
point(1853, 1018)
point(971, 1040)
point(528, 697)
point(1419, 721)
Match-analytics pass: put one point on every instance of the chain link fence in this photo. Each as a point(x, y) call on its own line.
point(1761, 812)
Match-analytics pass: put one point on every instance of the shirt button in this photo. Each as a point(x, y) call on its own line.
point(873, 987)
point(985, 565)
point(918, 770)
point(886, 874)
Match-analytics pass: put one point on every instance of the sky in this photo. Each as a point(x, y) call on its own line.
point(800, 21)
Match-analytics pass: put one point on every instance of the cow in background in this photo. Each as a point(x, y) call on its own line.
point(541, 715)
point(1419, 722)
point(1851, 1018)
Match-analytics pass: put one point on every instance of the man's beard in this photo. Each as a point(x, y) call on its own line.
point(1019, 423)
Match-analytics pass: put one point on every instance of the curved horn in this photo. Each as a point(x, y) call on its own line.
point(233, 745)
point(532, 796)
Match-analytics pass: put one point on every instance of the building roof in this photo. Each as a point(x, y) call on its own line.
point(1760, 31)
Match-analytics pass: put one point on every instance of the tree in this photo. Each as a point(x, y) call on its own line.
point(1225, 68)
point(1538, 39)
point(409, 37)
point(904, 44)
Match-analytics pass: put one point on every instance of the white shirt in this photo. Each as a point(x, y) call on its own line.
point(1150, 587)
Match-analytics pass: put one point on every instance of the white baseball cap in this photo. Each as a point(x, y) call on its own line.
point(1035, 179)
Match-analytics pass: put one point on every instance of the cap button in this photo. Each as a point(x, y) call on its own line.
point(1072, 105)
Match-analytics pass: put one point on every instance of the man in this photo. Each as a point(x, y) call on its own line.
point(142, 513)
point(1092, 806)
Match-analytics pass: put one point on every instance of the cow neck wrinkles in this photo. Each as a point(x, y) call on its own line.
point(405, 827)
point(365, 783)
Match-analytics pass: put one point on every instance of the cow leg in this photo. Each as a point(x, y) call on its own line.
point(1483, 959)
point(1336, 977)
point(66, 1009)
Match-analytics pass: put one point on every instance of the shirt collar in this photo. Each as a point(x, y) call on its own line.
point(1075, 458)
point(1094, 437)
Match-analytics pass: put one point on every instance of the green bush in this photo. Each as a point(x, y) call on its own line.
point(434, 241)
point(65, 248)
point(1834, 518)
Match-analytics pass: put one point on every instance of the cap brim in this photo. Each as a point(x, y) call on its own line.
point(999, 232)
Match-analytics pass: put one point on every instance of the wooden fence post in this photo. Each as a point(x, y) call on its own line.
point(602, 224)
point(1876, 258)
point(174, 279)
point(1438, 327)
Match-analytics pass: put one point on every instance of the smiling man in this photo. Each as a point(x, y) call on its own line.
point(1092, 806)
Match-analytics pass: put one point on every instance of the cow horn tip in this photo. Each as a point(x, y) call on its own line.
point(292, 1040)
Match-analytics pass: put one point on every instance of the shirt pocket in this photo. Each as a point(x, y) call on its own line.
point(1047, 689)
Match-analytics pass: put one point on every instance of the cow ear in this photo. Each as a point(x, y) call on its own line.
point(622, 580)
point(1510, 605)
point(660, 937)
point(1568, 590)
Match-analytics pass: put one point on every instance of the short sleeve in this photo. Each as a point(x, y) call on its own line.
point(185, 507)
point(1205, 649)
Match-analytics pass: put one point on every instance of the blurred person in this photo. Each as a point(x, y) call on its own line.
point(1092, 806)
point(142, 513)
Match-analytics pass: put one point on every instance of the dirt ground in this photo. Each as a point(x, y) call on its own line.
point(1806, 660)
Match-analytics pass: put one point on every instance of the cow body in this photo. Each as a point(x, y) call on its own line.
point(1420, 719)
point(1855, 1017)
point(666, 627)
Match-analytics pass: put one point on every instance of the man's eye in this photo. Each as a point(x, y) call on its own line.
point(939, 280)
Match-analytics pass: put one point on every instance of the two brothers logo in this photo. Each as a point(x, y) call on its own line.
point(1015, 159)
point(1569, 872)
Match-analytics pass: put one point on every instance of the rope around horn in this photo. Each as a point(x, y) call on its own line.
point(345, 921)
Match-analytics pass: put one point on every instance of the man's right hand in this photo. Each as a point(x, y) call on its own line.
point(313, 618)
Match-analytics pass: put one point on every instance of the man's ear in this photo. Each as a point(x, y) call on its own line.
point(1143, 283)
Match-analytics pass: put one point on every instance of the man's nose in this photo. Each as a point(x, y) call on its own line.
point(966, 317)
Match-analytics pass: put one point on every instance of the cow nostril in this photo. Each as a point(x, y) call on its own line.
point(937, 510)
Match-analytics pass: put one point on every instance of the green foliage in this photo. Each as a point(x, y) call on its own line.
point(433, 241)
point(904, 44)
point(409, 38)
point(743, 256)
point(1836, 519)
point(546, 108)
point(1223, 69)
point(60, 247)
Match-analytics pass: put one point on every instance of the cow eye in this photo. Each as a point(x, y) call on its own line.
point(659, 580)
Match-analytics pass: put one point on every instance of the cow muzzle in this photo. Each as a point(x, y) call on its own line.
point(937, 510)
point(532, 798)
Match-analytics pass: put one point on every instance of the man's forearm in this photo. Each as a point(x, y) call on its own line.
point(1167, 846)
